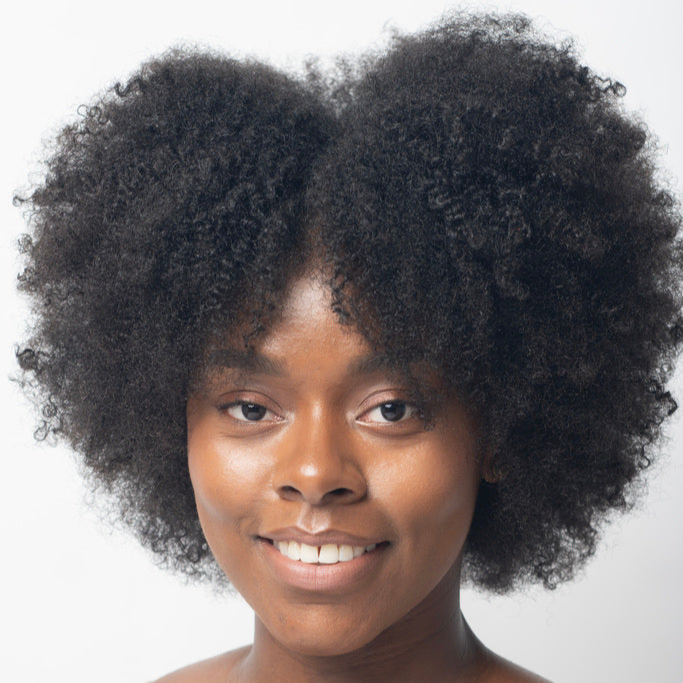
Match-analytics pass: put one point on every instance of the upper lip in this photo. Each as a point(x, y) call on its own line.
point(319, 538)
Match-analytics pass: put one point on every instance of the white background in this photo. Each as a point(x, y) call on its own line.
point(80, 603)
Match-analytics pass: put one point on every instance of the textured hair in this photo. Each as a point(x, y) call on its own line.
point(170, 206)
point(482, 204)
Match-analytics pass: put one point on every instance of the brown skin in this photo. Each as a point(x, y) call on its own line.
point(324, 450)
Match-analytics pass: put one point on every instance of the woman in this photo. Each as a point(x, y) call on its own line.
point(350, 341)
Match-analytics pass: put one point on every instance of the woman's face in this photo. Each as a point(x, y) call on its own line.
point(327, 503)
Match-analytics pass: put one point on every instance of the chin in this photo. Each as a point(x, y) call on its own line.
point(329, 639)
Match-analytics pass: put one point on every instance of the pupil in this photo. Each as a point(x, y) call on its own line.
point(252, 411)
point(393, 411)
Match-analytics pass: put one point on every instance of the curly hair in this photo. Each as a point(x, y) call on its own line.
point(484, 205)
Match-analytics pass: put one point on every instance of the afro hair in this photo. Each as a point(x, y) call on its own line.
point(483, 205)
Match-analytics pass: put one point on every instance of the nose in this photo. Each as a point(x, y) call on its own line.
point(317, 465)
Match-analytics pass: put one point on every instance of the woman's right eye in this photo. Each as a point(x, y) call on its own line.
point(244, 411)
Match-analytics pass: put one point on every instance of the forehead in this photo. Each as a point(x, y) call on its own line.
point(305, 329)
point(305, 333)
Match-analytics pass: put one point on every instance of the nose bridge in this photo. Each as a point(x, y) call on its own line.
point(318, 463)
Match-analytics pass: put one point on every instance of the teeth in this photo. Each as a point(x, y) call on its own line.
point(309, 553)
point(345, 553)
point(294, 551)
point(330, 553)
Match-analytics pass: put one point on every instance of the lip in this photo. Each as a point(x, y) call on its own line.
point(322, 578)
point(320, 538)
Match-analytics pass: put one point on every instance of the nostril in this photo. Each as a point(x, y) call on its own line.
point(319, 489)
point(339, 494)
point(289, 492)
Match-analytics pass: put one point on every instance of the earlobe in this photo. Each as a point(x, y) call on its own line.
point(491, 471)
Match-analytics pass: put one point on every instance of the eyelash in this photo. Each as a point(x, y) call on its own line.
point(241, 405)
point(404, 409)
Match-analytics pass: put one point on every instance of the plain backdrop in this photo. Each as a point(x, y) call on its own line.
point(82, 603)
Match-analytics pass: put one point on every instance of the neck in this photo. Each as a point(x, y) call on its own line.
point(431, 639)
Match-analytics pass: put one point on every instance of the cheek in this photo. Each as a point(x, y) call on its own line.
point(227, 483)
point(432, 491)
point(217, 471)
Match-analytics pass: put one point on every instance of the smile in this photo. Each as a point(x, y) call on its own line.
point(329, 553)
point(327, 568)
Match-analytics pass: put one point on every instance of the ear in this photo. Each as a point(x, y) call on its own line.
point(491, 472)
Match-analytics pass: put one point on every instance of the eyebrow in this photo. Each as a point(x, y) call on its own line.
point(372, 363)
point(248, 361)
point(251, 361)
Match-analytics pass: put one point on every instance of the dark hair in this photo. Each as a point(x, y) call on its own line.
point(482, 204)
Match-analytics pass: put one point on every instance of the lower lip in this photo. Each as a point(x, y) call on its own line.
point(322, 577)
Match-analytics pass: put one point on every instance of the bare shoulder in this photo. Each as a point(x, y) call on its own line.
point(214, 670)
point(499, 670)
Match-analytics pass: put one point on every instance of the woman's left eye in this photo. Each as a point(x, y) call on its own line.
point(391, 411)
point(249, 412)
